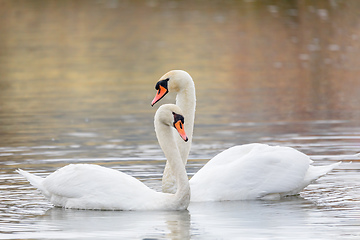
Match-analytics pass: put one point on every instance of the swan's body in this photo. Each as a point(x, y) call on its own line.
point(87, 186)
point(243, 172)
point(254, 171)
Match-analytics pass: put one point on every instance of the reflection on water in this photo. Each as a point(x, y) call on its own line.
point(111, 225)
point(77, 78)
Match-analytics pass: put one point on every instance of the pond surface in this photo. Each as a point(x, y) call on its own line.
point(77, 79)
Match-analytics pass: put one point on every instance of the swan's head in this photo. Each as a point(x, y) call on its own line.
point(171, 115)
point(173, 81)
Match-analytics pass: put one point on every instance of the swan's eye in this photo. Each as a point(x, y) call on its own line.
point(162, 83)
point(179, 126)
point(178, 121)
point(157, 86)
point(177, 118)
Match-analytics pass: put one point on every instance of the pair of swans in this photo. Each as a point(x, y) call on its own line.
point(251, 171)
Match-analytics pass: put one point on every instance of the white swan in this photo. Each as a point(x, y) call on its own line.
point(87, 186)
point(243, 172)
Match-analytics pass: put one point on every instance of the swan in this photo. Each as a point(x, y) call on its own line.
point(88, 186)
point(244, 172)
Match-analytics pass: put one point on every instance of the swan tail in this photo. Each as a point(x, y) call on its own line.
point(315, 172)
point(34, 180)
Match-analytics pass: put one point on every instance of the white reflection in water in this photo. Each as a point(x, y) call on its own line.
point(59, 223)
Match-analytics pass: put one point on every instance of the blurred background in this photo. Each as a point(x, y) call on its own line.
point(77, 77)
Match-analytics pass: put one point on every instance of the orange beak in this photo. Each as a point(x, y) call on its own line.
point(159, 95)
point(180, 128)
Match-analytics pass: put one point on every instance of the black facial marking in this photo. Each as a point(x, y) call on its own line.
point(178, 117)
point(163, 83)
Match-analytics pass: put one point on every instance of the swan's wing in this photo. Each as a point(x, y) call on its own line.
point(282, 168)
point(84, 180)
point(234, 153)
point(248, 172)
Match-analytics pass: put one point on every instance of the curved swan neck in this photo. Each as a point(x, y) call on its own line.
point(186, 100)
point(167, 143)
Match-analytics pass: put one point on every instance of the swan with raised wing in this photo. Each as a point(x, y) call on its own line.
point(88, 186)
point(250, 171)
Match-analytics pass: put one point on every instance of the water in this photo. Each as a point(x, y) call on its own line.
point(77, 79)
